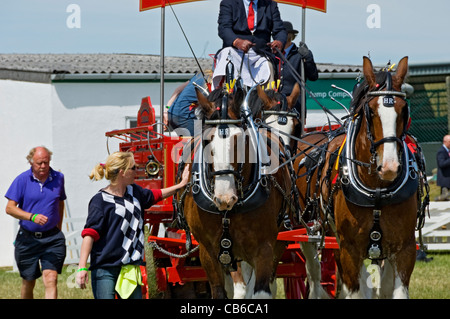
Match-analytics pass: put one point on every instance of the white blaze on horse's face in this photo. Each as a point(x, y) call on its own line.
point(389, 165)
point(225, 195)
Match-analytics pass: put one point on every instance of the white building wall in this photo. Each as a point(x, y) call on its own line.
point(71, 119)
point(25, 122)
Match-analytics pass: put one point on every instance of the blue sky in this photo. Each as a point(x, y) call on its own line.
point(342, 35)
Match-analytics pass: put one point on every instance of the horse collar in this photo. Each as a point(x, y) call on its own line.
point(356, 192)
point(254, 197)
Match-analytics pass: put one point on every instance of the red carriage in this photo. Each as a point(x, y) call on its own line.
point(176, 266)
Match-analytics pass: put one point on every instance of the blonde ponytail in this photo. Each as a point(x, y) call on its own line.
point(98, 172)
point(114, 163)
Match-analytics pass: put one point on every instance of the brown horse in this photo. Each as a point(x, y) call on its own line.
point(313, 175)
point(381, 224)
point(368, 189)
point(285, 121)
point(237, 198)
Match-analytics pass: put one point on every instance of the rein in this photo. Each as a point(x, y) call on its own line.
point(292, 159)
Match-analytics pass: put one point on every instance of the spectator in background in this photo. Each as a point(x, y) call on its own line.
point(295, 55)
point(180, 109)
point(36, 197)
point(443, 169)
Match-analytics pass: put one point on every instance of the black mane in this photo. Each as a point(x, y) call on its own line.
point(360, 92)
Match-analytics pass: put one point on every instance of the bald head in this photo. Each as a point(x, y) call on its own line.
point(39, 159)
point(446, 141)
point(39, 149)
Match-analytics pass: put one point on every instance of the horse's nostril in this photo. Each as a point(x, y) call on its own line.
point(379, 168)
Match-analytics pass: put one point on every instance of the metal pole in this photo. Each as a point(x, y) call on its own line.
point(303, 23)
point(161, 69)
point(303, 92)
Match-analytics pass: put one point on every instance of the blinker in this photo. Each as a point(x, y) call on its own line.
point(223, 129)
point(388, 100)
point(282, 119)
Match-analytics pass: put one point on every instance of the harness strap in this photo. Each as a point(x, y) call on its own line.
point(226, 172)
point(375, 249)
point(340, 152)
point(226, 257)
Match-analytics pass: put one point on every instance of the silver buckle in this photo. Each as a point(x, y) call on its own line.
point(38, 235)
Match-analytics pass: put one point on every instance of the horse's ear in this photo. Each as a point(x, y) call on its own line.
point(206, 106)
point(238, 99)
point(293, 97)
point(266, 101)
point(369, 75)
point(400, 74)
point(239, 96)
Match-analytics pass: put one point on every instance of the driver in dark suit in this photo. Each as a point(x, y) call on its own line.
point(234, 30)
point(255, 40)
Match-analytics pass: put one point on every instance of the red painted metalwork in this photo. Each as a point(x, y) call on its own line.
point(319, 5)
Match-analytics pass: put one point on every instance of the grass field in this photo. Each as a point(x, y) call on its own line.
point(429, 281)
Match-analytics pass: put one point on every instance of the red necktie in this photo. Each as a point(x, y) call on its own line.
point(251, 17)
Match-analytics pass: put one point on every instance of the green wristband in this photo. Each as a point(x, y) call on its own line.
point(81, 269)
point(34, 217)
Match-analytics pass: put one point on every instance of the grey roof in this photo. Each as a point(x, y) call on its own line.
point(98, 63)
point(432, 68)
point(119, 63)
point(40, 67)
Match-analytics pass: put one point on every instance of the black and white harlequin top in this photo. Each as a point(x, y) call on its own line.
point(117, 226)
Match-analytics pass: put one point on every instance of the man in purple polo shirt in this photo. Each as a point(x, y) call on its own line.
point(36, 197)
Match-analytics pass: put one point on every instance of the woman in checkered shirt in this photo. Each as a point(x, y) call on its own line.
point(113, 235)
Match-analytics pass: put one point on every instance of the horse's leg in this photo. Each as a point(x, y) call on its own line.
point(387, 280)
point(264, 271)
point(248, 274)
point(313, 271)
point(392, 285)
point(239, 286)
point(401, 289)
point(356, 281)
point(396, 275)
point(405, 261)
point(363, 283)
point(366, 287)
point(401, 247)
point(214, 272)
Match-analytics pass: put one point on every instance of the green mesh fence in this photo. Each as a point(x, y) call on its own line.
point(429, 114)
